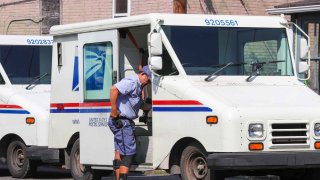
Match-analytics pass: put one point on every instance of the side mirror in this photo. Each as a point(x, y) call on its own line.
point(303, 67)
point(304, 48)
point(155, 44)
point(155, 63)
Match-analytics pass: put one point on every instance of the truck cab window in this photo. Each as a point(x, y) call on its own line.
point(97, 70)
point(203, 50)
point(266, 48)
point(25, 63)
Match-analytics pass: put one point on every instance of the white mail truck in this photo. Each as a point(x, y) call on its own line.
point(25, 75)
point(226, 93)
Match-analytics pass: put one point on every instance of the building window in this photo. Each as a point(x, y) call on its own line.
point(121, 8)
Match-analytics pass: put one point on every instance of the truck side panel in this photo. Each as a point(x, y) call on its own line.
point(64, 108)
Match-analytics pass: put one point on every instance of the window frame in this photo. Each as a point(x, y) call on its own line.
point(115, 14)
point(85, 95)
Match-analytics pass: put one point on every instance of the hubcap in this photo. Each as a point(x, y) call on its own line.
point(199, 167)
point(18, 157)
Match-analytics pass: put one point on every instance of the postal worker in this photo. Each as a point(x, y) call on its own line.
point(126, 100)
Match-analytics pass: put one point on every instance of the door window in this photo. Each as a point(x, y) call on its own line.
point(97, 71)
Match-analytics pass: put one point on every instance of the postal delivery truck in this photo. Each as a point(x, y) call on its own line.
point(226, 93)
point(25, 75)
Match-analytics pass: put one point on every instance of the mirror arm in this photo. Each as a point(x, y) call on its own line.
point(308, 59)
point(153, 30)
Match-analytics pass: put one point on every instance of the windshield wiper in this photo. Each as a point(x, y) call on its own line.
point(257, 66)
point(36, 80)
point(223, 66)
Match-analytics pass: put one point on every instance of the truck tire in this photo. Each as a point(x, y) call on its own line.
point(19, 166)
point(193, 163)
point(78, 171)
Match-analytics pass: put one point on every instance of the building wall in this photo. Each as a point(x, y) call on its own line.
point(233, 7)
point(145, 7)
point(29, 16)
point(20, 17)
point(73, 11)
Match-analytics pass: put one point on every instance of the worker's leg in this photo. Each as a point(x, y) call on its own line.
point(116, 164)
point(125, 144)
point(124, 167)
point(123, 173)
point(117, 157)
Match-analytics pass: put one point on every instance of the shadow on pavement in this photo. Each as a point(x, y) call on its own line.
point(43, 172)
point(147, 178)
point(51, 172)
point(4, 172)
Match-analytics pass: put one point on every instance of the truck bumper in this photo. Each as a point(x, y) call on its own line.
point(263, 160)
point(43, 154)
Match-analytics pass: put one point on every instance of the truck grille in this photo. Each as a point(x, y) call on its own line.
point(289, 135)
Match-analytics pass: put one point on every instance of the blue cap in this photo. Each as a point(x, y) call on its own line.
point(147, 71)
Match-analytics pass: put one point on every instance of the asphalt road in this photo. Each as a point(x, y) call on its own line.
point(43, 172)
point(56, 173)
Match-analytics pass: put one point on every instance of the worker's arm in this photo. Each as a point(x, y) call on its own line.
point(114, 93)
point(146, 105)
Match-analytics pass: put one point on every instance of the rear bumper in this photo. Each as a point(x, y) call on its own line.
point(43, 154)
point(264, 160)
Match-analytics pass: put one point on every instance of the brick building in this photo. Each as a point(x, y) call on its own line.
point(37, 16)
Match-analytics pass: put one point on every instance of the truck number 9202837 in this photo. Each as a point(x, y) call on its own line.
point(40, 41)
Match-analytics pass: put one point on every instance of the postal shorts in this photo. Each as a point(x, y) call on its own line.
point(124, 139)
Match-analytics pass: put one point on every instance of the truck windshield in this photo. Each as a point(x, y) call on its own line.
point(203, 50)
point(24, 64)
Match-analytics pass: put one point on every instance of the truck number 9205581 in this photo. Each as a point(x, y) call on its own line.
point(221, 22)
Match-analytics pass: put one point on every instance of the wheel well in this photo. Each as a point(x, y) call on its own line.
point(176, 151)
point(4, 143)
point(68, 149)
point(73, 139)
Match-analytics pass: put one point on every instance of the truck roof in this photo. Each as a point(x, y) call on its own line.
point(171, 19)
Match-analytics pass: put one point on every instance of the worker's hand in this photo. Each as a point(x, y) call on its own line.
point(117, 123)
point(115, 118)
point(114, 114)
point(146, 105)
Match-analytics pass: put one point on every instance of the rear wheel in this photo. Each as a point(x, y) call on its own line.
point(194, 163)
point(78, 171)
point(18, 164)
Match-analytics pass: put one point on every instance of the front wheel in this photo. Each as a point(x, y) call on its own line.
point(18, 164)
point(78, 171)
point(194, 163)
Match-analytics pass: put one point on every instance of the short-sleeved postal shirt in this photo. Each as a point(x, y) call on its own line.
point(129, 99)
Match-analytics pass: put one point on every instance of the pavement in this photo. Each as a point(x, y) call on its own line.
point(170, 177)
